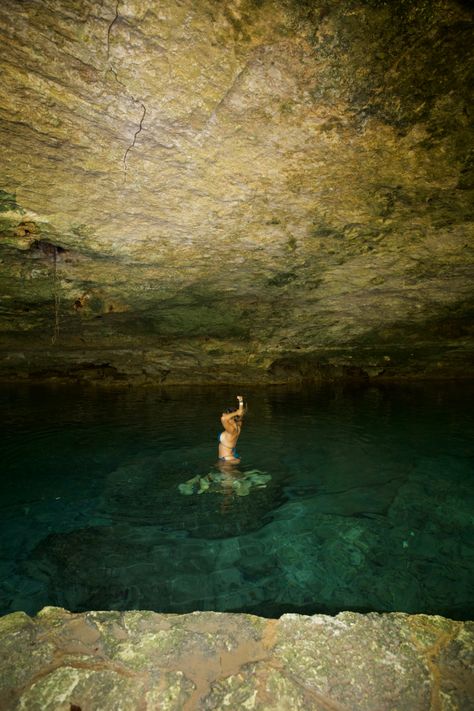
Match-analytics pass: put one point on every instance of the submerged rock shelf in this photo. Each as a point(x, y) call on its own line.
point(59, 661)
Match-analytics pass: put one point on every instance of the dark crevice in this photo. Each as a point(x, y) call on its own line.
point(140, 127)
point(124, 86)
point(47, 248)
point(110, 28)
point(111, 69)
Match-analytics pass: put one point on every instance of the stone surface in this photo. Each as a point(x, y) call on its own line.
point(240, 190)
point(60, 661)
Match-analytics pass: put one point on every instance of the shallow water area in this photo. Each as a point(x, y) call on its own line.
point(347, 497)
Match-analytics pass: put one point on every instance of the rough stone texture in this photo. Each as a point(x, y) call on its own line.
point(237, 190)
point(113, 661)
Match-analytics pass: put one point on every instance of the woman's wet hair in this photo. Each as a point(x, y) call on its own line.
point(229, 410)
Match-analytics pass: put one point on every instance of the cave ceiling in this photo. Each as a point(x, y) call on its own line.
point(236, 190)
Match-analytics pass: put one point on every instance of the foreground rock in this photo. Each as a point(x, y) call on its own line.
point(114, 661)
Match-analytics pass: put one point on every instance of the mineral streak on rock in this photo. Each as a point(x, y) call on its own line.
point(249, 190)
point(59, 661)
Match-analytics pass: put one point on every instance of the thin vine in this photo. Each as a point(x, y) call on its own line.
point(56, 295)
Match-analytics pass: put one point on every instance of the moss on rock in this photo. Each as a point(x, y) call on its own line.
point(137, 660)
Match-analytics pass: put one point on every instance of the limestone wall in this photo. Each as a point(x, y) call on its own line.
point(237, 190)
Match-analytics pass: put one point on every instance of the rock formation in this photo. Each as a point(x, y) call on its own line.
point(143, 660)
point(258, 190)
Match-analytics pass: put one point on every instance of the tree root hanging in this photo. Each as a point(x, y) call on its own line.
point(56, 296)
point(50, 250)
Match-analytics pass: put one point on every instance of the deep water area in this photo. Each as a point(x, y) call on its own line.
point(348, 497)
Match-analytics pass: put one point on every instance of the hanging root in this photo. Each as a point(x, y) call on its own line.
point(50, 250)
point(57, 297)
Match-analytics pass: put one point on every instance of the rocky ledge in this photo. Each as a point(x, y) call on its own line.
point(59, 661)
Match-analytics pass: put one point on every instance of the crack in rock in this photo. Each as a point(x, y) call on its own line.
point(121, 83)
point(114, 72)
point(109, 30)
point(132, 144)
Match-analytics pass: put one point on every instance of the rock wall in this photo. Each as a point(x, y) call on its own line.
point(260, 190)
point(114, 661)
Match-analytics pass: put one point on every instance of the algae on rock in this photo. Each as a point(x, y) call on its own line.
point(144, 660)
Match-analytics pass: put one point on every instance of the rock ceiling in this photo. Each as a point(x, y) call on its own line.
point(225, 190)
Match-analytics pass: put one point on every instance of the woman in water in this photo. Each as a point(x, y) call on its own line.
point(232, 424)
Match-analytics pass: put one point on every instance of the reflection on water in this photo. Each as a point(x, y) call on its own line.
point(346, 498)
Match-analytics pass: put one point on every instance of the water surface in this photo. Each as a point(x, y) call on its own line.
point(347, 497)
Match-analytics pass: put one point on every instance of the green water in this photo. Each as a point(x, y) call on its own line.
point(356, 498)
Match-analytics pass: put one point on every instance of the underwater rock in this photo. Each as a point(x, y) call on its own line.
point(132, 495)
point(58, 661)
point(201, 553)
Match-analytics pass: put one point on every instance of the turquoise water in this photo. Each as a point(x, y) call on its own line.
point(356, 498)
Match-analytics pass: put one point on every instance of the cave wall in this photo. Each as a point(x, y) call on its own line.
point(236, 190)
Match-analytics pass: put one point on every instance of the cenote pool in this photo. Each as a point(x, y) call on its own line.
point(347, 498)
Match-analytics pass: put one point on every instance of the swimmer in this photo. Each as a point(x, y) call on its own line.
point(232, 423)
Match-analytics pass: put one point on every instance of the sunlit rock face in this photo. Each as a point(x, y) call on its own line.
point(236, 190)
